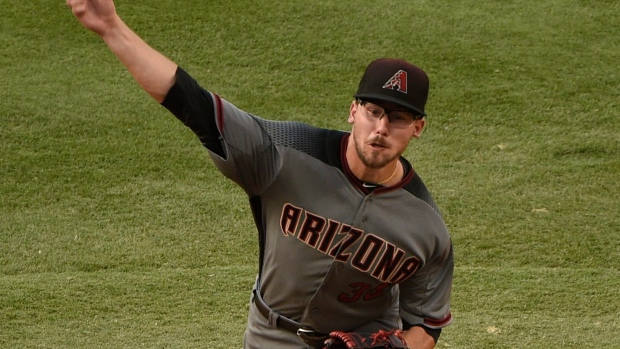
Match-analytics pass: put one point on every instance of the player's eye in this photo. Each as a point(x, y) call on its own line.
point(374, 111)
point(401, 119)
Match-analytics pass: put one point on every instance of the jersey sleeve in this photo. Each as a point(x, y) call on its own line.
point(425, 298)
point(237, 142)
point(251, 157)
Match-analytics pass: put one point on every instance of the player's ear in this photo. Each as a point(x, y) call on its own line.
point(418, 127)
point(352, 111)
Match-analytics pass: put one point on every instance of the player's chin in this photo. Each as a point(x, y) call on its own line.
point(377, 161)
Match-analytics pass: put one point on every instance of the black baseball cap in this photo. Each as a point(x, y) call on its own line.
point(396, 81)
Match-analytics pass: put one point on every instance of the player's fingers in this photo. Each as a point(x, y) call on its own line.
point(77, 6)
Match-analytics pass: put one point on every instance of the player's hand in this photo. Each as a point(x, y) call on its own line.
point(95, 15)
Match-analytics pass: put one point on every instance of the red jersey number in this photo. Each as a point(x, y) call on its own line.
point(362, 291)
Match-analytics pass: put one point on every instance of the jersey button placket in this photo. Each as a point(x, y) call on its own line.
point(367, 203)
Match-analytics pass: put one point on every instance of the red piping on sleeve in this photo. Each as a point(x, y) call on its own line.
point(438, 323)
point(219, 110)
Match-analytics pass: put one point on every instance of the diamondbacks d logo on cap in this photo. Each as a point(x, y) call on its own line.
point(397, 82)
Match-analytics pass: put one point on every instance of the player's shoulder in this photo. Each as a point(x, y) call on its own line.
point(320, 143)
point(416, 187)
point(423, 203)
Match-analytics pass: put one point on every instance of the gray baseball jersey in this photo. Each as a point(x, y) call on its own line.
point(335, 254)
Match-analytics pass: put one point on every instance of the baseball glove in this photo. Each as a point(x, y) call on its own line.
point(377, 340)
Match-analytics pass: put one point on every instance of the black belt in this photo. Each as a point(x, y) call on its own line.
point(310, 336)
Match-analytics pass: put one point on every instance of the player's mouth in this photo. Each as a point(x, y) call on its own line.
point(377, 144)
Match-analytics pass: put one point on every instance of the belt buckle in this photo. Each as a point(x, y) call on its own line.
point(311, 337)
point(305, 331)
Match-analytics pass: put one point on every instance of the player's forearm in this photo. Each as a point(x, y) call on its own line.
point(154, 72)
point(417, 338)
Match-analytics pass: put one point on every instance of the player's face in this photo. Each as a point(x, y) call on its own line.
point(381, 133)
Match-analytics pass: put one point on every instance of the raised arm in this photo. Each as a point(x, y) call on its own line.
point(154, 72)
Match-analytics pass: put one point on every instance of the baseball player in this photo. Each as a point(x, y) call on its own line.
point(351, 242)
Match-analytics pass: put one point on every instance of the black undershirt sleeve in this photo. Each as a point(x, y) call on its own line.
point(194, 107)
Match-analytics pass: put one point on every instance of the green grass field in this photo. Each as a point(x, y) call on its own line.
point(116, 231)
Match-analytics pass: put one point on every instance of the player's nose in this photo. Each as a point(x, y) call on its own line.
point(382, 125)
